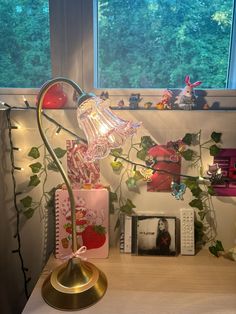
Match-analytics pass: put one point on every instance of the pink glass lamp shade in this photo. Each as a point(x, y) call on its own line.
point(103, 129)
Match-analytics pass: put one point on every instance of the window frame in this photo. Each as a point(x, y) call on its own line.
point(72, 28)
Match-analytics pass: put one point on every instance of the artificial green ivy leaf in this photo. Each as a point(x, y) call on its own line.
point(196, 203)
point(138, 176)
point(36, 167)
point(130, 203)
point(113, 196)
point(116, 166)
point(34, 153)
point(215, 249)
point(34, 180)
point(26, 201)
point(196, 191)
point(116, 152)
point(188, 154)
point(191, 183)
point(128, 207)
point(131, 183)
point(202, 214)
point(187, 139)
point(214, 150)
point(219, 245)
point(216, 137)
point(141, 154)
point(28, 213)
point(52, 166)
point(59, 152)
point(211, 190)
point(147, 142)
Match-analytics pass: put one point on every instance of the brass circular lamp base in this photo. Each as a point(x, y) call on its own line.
point(74, 285)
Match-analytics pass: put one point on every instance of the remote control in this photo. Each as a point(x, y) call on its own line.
point(187, 231)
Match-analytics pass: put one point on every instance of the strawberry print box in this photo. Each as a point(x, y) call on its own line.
point(92, 212)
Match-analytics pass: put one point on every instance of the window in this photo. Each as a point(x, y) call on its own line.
point(24, 43)
point(154, 44)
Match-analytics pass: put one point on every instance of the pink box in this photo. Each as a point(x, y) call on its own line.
point(92, 222)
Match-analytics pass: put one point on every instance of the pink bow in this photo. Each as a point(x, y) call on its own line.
point(78, 253)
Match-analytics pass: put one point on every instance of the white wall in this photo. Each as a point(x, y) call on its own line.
point(38, 234)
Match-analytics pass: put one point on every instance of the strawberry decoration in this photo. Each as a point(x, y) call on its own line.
point(94, 236)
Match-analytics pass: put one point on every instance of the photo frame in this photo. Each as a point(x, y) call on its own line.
point(154, 235)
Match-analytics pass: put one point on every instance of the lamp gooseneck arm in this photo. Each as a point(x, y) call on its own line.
point(41, 95)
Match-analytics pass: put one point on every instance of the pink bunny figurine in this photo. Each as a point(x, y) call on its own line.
point(187, 99)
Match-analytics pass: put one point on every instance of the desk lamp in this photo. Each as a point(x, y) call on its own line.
point(77, 284)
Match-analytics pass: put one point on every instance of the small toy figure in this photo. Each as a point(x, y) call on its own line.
point(165, 100)
point(134, 101)
point(121, 103)
point(187, 99)
point(104, 95)
point(147, 105)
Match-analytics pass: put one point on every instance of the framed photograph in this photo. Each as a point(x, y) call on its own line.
point(154, 235)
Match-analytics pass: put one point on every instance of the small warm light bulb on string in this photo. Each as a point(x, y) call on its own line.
point(18, 168)
point(17, 148)
point(26, 102)
point(58, 130)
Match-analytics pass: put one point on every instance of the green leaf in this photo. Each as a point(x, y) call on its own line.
point(202, 214)
point(29, 212)
point(187, 139)
point(188, 154)
point(128, 207)
point(138, 176)
point(191, 139)
point(196, 191)
point(34, 153)
point(216, 137)
point(196, 203)
point(211, 190)
point(59, 152)
point(214, 150)
point(147, 142)
point(191, 183)
point(113, 196)
point(36, 167)
point(131, 183)
point(116, 166)
point(26, 201)
point(34, 180)
point(116, 152)
point(52, 166)
point(141, 154)
point(219, 245)
point(130, 203)
point(213, 250)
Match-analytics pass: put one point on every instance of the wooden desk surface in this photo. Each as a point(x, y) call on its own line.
point(153, 284)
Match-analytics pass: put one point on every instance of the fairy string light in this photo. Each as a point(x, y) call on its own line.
point(18, 250)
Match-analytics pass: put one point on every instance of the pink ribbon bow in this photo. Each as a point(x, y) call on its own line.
point(78, 253)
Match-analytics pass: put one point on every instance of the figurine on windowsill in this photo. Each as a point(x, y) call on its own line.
point(134, 101)
point(187, 99)
point(165, 100)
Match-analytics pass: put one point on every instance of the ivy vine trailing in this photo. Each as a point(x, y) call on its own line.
point(190, 148)
point(39, 175)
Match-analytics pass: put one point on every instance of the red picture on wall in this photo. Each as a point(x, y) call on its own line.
point(168, 162)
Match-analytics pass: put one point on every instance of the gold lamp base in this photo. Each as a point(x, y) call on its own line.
point(74, 285)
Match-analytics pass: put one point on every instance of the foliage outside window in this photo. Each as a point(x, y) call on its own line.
point(24, 43)
point(154, 44)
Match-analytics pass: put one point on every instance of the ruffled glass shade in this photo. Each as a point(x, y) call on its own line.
point(103, 129)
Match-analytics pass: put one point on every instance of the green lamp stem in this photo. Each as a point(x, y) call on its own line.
point(41, 95)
